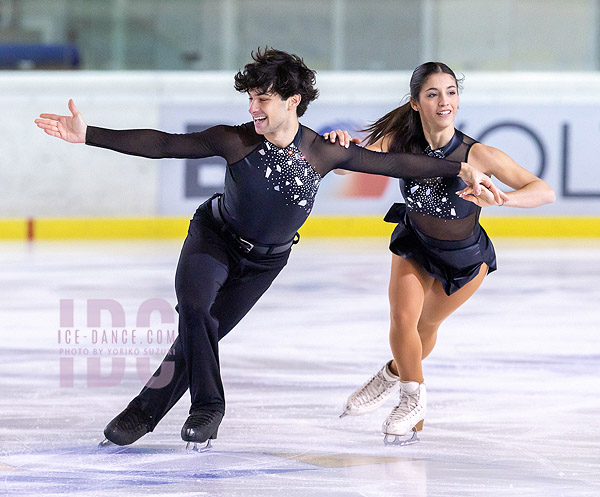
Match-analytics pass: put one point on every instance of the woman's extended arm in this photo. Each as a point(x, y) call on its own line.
point(528, 190)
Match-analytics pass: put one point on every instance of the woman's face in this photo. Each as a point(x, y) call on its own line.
point(438, 101)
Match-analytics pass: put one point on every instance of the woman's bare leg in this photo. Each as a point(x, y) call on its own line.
point(418, 306)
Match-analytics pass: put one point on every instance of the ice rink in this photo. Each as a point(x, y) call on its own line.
point(513, 384)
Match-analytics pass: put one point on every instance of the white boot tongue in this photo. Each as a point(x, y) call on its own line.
point(409, 386)
point(388, 375)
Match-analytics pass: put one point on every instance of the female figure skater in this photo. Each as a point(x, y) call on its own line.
point(441, 254)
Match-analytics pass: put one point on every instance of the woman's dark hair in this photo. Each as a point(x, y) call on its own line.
point(404, 123)
point(274, 71)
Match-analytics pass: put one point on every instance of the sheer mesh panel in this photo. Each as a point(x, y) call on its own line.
point(235, 142)
point(461, 223)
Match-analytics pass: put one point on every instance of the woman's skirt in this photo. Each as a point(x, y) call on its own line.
point(452, 262)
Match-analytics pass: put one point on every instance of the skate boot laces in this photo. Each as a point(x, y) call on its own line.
point(408, 405)
point(373, 389)
point(201, 426)
point(133, 419)
point(372, 394)
point(409, 413)
point(127, 427)
point(202, 418)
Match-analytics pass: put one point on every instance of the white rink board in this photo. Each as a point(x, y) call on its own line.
point(548, 119)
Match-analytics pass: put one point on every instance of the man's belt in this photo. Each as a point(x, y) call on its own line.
point(244, 245)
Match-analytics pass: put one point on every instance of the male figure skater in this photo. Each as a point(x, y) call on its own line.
point(238, 241)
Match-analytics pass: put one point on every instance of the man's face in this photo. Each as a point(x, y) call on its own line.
point(270, 112)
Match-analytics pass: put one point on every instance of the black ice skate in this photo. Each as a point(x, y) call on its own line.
point(129, 426)
point(201, 426)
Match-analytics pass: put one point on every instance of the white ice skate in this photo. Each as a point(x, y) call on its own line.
point(373, 393)
point(407, 416)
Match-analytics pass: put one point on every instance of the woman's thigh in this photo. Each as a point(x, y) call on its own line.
point(437, 305)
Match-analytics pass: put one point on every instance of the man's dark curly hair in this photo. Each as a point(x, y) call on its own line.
point(275, 71)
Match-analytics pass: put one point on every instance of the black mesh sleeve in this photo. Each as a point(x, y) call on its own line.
point(326, 156)
point(223, 141)
point(398, 165)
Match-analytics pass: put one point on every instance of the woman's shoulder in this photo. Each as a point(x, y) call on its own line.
point(488, 158)
point(466, 139)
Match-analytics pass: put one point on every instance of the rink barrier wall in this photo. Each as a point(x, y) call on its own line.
point(316, 227)
point(545, 121)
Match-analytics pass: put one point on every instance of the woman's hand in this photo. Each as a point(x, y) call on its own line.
point(344, 138)
point(485, 198)
point(476, 181)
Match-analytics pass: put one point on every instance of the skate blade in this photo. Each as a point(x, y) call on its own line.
point(193, 447)
point(106, 443)
point(401, 441)
point(348, 412)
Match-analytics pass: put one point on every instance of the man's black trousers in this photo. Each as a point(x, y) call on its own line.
point(216, 285)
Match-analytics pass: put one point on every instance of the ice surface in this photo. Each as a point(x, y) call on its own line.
point(513, 384)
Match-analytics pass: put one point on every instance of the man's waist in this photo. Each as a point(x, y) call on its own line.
point(246, 245)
